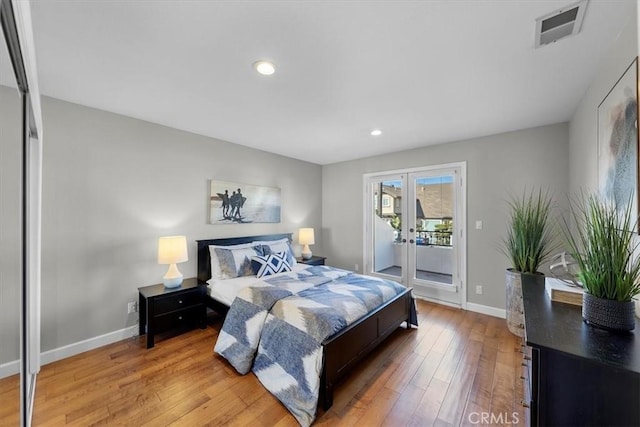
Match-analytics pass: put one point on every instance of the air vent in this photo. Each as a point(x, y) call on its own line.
point(561, 23)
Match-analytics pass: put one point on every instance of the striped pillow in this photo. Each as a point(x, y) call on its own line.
point(267, 265)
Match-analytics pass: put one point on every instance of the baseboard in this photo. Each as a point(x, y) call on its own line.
point(485, 309)
point(12, 368)
point(437, 301)
point(477, 308)
point(9, 368)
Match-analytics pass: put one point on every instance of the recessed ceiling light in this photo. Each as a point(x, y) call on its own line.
point(265, 68)
point(376, 132)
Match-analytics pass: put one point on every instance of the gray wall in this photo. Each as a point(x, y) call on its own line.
point(497, 166)
point(583, 146)
point(113, 185)
point(10, 220)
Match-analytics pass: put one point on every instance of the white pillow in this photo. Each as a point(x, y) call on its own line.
point(274, 246)
point(217, 269)
point(270, 242)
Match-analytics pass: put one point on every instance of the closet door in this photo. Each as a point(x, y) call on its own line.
point(25, 179)
point(10, 239)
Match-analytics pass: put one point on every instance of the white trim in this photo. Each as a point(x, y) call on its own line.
point(9, 368)
point(32, 396)
point(416, 169)
point(425, 284)
point(12, 368)
point(34, 238)
point(471, 306)
point(462, 254)
point(88, 344)
point(24, 28)
point(485, 309)
point(436, 301)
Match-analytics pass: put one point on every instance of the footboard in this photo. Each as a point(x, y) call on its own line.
point(344, 349)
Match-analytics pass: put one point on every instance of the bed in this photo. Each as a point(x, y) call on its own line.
point(341, 350)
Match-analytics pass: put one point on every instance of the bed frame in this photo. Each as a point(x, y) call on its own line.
point(343, 350)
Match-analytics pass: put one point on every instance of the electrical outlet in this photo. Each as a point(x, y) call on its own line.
point(478, 225)
point(479, 289)
point(132, 307)
point(356, 268)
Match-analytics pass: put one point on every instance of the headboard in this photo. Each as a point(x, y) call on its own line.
point(204, 257)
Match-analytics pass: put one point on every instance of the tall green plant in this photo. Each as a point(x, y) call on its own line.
point(603, 246)
point(529, 241)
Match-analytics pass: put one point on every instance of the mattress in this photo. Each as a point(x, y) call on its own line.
point(225, 290)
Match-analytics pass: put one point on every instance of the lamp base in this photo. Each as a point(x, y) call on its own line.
point(306, 252)
point(172, 283)
point(173, 278)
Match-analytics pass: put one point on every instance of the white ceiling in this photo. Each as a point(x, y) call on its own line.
point(425, 72)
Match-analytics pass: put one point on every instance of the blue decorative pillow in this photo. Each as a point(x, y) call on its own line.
point(267, 265)
point(275, 246)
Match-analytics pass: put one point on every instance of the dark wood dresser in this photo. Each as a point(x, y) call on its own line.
point(575, 374)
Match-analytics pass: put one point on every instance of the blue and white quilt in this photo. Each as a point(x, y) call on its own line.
point(277, 328)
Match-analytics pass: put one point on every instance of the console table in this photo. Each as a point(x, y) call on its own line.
point(575, 374)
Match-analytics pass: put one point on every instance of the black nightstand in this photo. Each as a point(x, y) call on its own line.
point(314, 260)
point(164, 308)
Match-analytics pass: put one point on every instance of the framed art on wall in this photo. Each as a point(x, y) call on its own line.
point(618, 142)
point(232, 202)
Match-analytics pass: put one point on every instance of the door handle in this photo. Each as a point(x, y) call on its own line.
point(411, 230)
point(404, 240)
point(411, 241)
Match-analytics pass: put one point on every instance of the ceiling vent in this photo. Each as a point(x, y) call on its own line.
point(561, 23)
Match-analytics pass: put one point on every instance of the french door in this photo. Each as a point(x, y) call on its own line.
point(414, 230)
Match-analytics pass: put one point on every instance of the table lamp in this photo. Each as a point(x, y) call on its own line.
point(306, 238)
point(172, 250)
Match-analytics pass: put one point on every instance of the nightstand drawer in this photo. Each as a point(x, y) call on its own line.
point(171, 303)
point(177, 319)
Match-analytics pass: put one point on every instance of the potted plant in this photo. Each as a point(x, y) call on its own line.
point(603, 246)
point(528, 244)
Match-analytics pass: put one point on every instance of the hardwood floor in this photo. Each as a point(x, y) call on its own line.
point(456, 366)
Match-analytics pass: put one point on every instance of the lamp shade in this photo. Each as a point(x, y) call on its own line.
point(172, 250)
point(306, 236)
